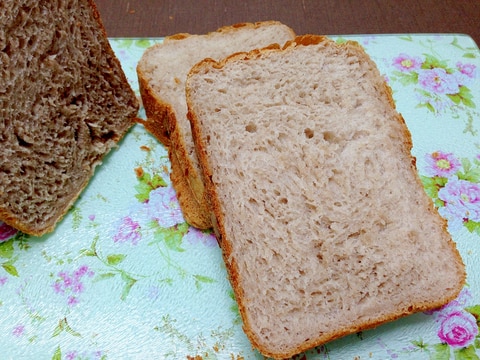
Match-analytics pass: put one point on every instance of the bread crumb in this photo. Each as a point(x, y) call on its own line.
point(145, 148)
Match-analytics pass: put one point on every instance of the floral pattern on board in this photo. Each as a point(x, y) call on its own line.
point(440, 86)
point(457, 329)
point(71, 285)
point(454, 185)
point(123, 264)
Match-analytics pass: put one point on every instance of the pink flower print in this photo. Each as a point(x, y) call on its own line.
point(407, 63)
point(3, 281)
point(18, 330)
point(438, 81)
point(6, 231)
point(194, 236)
point(437, 103)
point(72, 300)
point(128, 231)
point(469, 70)
point(71, 355)
point(72, 285)
point(458, 329)
point(441, 164)
point(466, 73)
point(164, 208)
point(462, 202)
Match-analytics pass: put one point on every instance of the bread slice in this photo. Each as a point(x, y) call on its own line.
point(324, 225)
point(64, 103)
point(162, 71)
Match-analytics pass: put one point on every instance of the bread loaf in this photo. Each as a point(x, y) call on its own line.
point(64, 103)
point(162, 71)
point(324, 225)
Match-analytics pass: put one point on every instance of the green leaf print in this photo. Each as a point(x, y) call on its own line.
point(63, 326)
point(440, 352)
point(199, 279)
point(474, 310)
point(76, 217)
point(142, 43)
point(104, 276)
point(128, 284)
point(432, 62)
point(115, 259)
point(432, 185)
point(172, 236)
point(409, 78)
point(146, 184)
point(57, 355)
point(473, 226)
point(10, 268)
point(466, 97)
point(470, 171)
point(468, 353)
point(127, 43)
point(6, 249)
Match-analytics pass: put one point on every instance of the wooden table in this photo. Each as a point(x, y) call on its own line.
point(157, 18)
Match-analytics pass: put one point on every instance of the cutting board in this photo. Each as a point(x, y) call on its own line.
point(124, 277)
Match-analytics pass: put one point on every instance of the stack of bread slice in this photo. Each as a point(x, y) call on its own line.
point(313, 193)
point(162, 72)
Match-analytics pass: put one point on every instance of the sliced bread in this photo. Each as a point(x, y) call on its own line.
point(64, 102)
point(162, 72)
point(324, 225)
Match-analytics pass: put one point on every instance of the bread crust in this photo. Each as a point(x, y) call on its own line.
point(162, 122)
point(47, 226)
point(235, 275)
point(195, 211)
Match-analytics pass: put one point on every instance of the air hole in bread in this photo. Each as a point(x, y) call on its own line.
point(329, 136)
point(251, 128)
point(283, 200)
point(22, 142)
point(308, 133)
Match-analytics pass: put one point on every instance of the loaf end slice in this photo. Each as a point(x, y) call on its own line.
point(162, 72)
point(64, 102)
point(324, 224)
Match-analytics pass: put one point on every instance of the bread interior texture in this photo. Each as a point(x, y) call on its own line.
point(325, 227)
point(64, 103)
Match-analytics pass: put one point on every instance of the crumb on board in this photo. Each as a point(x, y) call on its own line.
point(139, 171)
point(145, 148)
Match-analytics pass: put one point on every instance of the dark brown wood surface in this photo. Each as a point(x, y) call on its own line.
point(157, 18)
